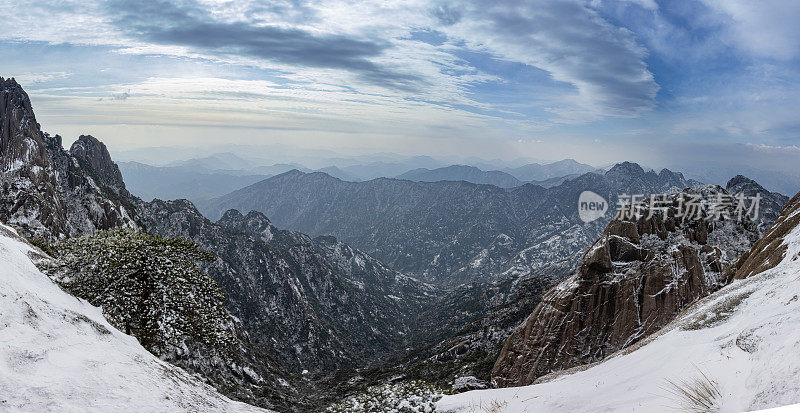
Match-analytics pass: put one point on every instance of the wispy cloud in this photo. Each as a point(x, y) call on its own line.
point(765, 28)
point(508, 76)
point(574, 44)
point(189, 24)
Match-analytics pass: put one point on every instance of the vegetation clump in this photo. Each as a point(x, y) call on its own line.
point(413, 396)
point(147, 286)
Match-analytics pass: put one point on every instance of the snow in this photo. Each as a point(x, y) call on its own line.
point(407, 397)
point(746, 337)
point(795, 408)
point(58, 353)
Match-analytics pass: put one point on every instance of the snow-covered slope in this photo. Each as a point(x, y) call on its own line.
point(58, 353)
point(745, 337)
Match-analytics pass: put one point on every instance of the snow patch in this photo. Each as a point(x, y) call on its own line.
point(58, 353)
point(746, 337)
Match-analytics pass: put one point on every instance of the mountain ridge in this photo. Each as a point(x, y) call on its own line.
point(740, 339)
point(449, 232)
point(462, 173)
point(634, 280)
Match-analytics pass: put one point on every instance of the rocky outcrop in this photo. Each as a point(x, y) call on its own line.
point(94, 153)
point(318, 303)
point(44, 190)
point(770, 250)
point(635, 279)
point(769, 201)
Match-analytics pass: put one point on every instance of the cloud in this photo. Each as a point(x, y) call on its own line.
point(446, 14)
point(646, 4)
point(765, 28)
point(468, 72)
point(596, 69)
point(121, 96)
point(574, 44)
point(188, 24)
point(42, 77)
point(774, 148)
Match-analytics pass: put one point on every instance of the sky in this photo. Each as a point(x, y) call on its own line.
point(711, 82)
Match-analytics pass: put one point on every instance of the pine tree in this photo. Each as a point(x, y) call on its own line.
point(147, 286)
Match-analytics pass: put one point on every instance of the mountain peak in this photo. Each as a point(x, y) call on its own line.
point(9, 82)
point(90, 150)
point(54, 193)
point(21, 141)
point(667, 173)
point(232, 215)
point(256, 215)
point(626, 168)
point(739, 181)
point(254, 222)
point(291, 173)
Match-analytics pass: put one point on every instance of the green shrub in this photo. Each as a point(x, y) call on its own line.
point(147, 286)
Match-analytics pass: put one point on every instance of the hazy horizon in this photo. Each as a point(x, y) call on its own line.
point(590, 80)
point(694, 85)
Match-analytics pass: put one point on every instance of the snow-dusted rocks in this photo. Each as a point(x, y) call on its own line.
point(46, 191)
point(465, 383)
point(317, 303)
point(634, 280)
point(59, 354)
point(405, 397)
point(744, 337)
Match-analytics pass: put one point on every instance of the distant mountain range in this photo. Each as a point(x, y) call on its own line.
point(175, 182)
point(447, 232)
point(545, 175)
point(542, 172)
point(198, 179)
point(462, 173)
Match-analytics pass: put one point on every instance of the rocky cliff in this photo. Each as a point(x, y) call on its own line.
point(737, 348)
point(634, 280)
point(46, 191)
point(318, 303)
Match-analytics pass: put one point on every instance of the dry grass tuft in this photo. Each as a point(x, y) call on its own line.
point(700, 394)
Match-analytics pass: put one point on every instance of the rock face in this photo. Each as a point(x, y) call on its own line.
point(318, 303)
point(93, 152)
point(771, 249)
point(447, 233)
point(47, 192)
point(635, 279)
point(299, 303)
point(771, 202)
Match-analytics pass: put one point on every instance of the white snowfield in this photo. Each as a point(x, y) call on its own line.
point(746, 337)
point(59, 354)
